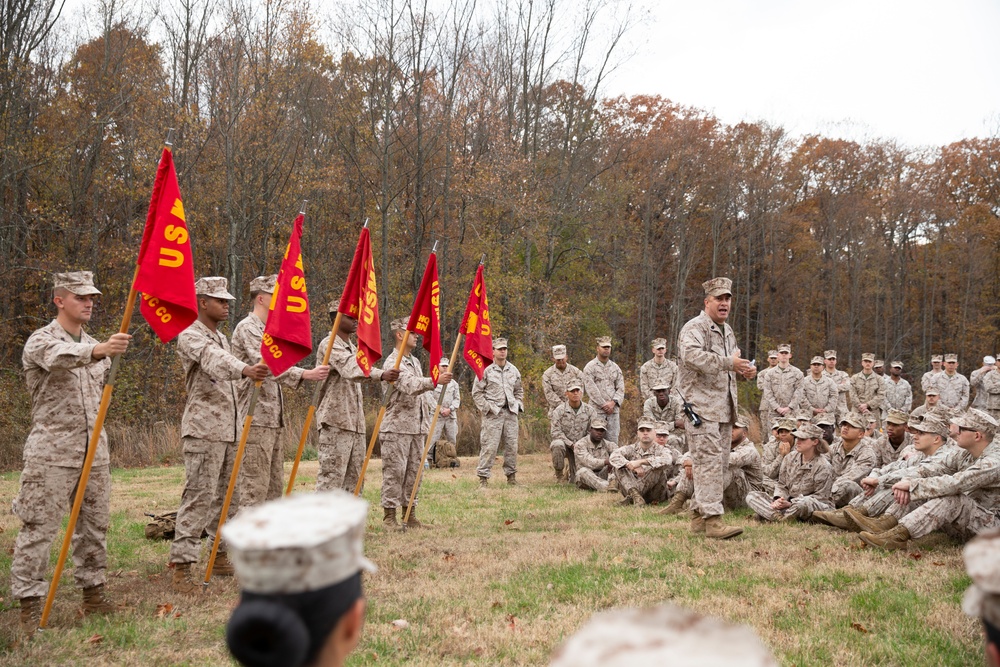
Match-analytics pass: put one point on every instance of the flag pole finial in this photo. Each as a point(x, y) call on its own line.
point(302, 210)
point(482, 260)
point(365, 226)
point(434, 249)
point(169, 141)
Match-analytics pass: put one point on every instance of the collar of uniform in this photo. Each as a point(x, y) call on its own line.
point(259, 323)
point(64, 335)
point(711, 323)
point(205, 331)
point(992, 449)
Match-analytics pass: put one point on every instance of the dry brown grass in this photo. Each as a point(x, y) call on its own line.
point(503, 575)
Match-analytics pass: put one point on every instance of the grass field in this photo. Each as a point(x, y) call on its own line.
point(502, 576)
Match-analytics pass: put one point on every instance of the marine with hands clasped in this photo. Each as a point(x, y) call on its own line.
point(64, 368)
point(500, 399)
point(710, 362)
point(605, 386)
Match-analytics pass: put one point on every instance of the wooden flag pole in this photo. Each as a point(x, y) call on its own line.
point(430, 433)
point(95, 439)
point(311, 412)
point(381, 416)
point(232, 478)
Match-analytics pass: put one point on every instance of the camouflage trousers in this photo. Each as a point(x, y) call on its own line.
point(595, 481)
point(401, 454)
point(45, 498)
point(959, 516)
point(710, 445)
point(562, 452)
point(208, 464)
point(262, 469)
point(876, 504)
point(845, 490)
point(802, 506)
point(652, 486)
point(341, 454)
point(734, 492)
point(446, 429)
point(502, 426)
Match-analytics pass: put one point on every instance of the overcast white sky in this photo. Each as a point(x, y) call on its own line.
point(926, 72)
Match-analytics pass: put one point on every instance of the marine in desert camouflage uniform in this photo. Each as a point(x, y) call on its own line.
point(500, 399)
point(710, 363)
point(569, 422)
point(209, 430)
point(605, 386)
point(340, 411)
point(404, 428)
point(657, 371)
point(262, 468)
point(65, 369)
point(556, 378)
point(593, 457)
point(804, 482)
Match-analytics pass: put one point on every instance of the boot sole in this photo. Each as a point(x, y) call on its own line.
point(868, 539)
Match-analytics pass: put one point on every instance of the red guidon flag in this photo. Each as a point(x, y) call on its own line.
point(288, 334)
point(476, 327)
point(426, 316)
point(166, 268)
point(360, 301)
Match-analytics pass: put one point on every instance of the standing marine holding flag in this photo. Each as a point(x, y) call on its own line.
point(64, 367)
point(263, 465)
point(208, 428)
point(407, 415)
point(710, 363)
point(164, 274)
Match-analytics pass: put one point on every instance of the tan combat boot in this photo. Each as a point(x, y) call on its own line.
point(94, 601)
point(637, 499)
point(894, 539)
point(484, 482)
point(676, 504)
point(717, 530)
point(512, 479)
point(31, 615)
point(559, 474)
point(389, 518)
point(181, 581)
point(837, 519)
point(697, 523)
point(223, 567)
point(412, 522)
point(870, 524)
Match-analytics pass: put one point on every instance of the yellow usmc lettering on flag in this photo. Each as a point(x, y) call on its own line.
point(160, 311)
point(424, 322)
point(371, 298)
point(171, 257)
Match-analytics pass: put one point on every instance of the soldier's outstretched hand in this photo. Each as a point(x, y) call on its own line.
point(112, 347)
point(318, 374)
point(257, 372)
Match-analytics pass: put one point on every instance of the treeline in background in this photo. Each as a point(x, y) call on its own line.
point(484, 126)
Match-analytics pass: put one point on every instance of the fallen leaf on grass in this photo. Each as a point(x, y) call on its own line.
point(400, 624)
point(454, 476)
point(163, 610)
point(511, 622)
point(449, 556)
point(507, 522)
point(94, 639)
point(860, 628)
point(938, 563)
point(617, 559)
point(916, 555)
point(177, 614)
point(495, 605)
point(701, 573)
point(549, 587)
